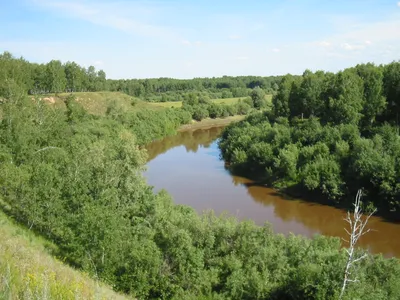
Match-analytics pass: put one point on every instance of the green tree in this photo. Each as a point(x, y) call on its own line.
point(391, 86)
point(74, 77)
point(281, 99)
point(346, 99)
point(258, 98)
point(374, 101)
point(307, 99)
point(55, 77)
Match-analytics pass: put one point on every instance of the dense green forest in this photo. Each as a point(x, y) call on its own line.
point(77, 180)
point(57, 77)
point(327, 136)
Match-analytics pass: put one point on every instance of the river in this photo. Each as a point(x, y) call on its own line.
point(187, 165)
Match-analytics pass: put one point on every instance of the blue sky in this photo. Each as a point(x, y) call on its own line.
point(204, 38)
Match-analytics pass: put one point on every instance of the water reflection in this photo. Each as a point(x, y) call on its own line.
point(187, 165)
point(191, 140)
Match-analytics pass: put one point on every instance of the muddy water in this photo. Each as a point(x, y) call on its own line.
point(188, 167)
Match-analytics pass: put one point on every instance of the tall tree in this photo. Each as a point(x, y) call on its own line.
point(391, 84)
point(281, 99)
point(258, 97)
point(101, 81)
point(55, 77)
point(74, 77)
point(346, 99)
point(374, 101)
point(91, 78)
point(309, 94)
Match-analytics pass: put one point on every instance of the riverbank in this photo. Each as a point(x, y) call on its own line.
point(201, 180)
point(209, 123)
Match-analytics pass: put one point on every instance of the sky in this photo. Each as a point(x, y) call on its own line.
point(203, 38)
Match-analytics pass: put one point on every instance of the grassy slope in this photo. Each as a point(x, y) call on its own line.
point(28, 271)
point(97, 102)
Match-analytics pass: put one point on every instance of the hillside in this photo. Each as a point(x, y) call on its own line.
point(96, 103)
point(29, 271)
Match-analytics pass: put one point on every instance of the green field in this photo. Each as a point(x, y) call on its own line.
point(166, 104)
point(228, 101)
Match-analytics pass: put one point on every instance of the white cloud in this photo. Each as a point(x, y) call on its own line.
point(398, 4)
point(276, 50)
point(357, 42)
point(324, 44)
point(235, 37)
point(189, 64)
point(133, 19)
point(351, 47)
point(257, 27)
point(384, 31)
point(189, 43)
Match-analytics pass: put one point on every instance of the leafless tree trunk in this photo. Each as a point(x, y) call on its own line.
point(357, 230)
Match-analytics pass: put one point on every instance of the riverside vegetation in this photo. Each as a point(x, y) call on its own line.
point(76, 179)
point(327, 135)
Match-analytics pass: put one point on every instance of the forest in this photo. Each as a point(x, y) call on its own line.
point(76, 179)
point(327, 136)
point(58, 77)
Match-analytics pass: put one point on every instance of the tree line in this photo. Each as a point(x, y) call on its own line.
point(168, 89)
point(327, 136)
point(57, 77)
point(52, 77)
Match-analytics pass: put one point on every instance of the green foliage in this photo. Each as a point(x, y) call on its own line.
point(200, 112)
point(328, 134)
point(168, 90)
point(53, 77)
point(77, 179)
point(258, 98)
point(201, 107)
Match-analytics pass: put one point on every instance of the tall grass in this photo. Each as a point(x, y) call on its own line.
point(28, 271)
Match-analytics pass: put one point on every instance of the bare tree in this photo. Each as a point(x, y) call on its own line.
point(357, 225)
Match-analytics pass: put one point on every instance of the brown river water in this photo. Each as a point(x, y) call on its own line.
point(188, 166)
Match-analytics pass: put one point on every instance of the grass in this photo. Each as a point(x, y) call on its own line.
point(208, 123)
point(228, 101)
point(166, 104)
point(96, 103)
point(28, 271)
